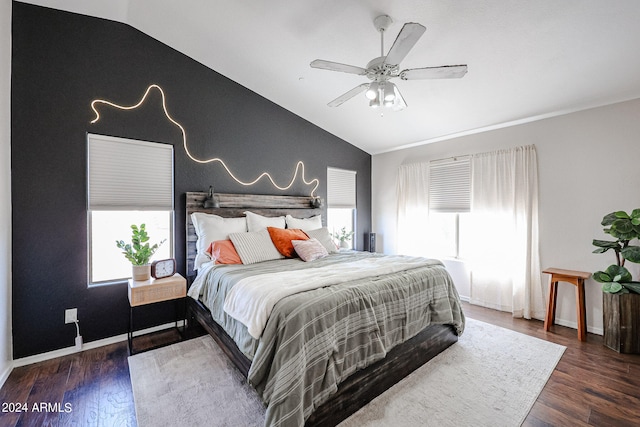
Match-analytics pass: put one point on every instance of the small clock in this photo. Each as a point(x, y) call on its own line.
point(163, 268)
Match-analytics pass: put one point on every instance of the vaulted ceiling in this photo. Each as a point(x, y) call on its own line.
point(527, 59)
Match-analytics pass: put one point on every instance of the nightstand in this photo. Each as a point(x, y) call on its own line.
point(152, 291)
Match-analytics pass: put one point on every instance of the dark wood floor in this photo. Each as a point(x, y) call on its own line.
point(591, 386)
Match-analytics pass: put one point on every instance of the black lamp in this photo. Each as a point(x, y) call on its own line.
point(211, 201)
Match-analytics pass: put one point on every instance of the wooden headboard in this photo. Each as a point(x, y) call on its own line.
point(233, 205)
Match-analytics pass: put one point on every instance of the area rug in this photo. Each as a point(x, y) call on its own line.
point(491, 376)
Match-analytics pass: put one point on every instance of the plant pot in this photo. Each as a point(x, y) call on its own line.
point(622, 322)
point(141, 272)
point(344, 244)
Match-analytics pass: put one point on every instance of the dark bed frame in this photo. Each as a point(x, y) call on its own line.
point(362, 386)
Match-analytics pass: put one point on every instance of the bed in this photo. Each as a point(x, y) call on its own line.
point(294, 350)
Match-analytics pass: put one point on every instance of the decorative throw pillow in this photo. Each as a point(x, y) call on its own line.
point(304, 224)
point(324, 237)
point(309, 250)
point(223, 252)
point(257, 222)
point(255, 247)
point(210, 228)
point(282, 238)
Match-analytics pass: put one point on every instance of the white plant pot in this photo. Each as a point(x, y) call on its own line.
point(344, 244)
point(141, 272)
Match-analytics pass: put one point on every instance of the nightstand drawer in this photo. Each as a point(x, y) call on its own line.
point(151, 291)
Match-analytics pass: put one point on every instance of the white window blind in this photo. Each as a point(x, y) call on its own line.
point(450, 185)
point(341, 188)
point(127, 174)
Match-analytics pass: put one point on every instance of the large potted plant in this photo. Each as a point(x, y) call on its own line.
point(139, 252)
point(621, 297)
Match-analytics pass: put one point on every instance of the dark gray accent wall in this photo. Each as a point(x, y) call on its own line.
point(61, 62)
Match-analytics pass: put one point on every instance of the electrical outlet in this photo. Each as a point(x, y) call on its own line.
point(71, 315)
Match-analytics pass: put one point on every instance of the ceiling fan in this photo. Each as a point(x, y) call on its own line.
point(380, 91)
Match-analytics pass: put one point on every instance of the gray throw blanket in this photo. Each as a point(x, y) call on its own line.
point(315, 339)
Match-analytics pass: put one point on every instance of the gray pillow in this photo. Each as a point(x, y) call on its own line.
point(323, 236)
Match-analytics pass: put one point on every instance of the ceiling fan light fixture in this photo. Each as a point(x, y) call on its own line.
point(389, 92)
point(372, 92)
point(399, 103)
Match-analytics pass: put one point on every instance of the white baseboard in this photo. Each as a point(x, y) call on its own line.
point(86, 346)
point(561, 322)
point(574, 325)
point(5, 374)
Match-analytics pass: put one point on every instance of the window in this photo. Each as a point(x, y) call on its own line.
point(129, 182)
point(449, 204)
point(341, 202)
point(450, 185)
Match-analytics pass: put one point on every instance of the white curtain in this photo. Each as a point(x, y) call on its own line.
point(503, 232)
point(413, 207)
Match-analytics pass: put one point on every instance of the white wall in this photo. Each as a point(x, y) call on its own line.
point(5, 190)
point(589, 165)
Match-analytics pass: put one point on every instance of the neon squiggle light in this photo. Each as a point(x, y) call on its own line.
point(299, 165)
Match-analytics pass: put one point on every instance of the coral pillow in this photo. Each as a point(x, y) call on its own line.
point(282, 238)
point(223, 252)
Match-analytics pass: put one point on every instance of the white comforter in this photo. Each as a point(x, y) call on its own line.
point(252, 299)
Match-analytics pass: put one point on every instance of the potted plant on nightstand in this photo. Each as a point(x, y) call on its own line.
point(343, 236)
point(138, 252)
point(621, 297)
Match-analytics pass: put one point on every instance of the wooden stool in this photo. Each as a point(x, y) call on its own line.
point(576, 278)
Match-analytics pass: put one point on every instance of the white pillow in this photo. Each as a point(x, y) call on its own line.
point(210, 228)
point(324, 237)
point(304, 224)
point(255, 246)
point(257, 222)
point(309, 250)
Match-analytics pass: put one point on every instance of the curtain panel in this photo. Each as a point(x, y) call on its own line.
point(504, 255)
point(413, 207)
point(498, 239)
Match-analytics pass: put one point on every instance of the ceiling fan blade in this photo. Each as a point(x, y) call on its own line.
point(444, 72)
point(400, 103)
point(336, 66)
point(406, 39)
point(348, 95)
